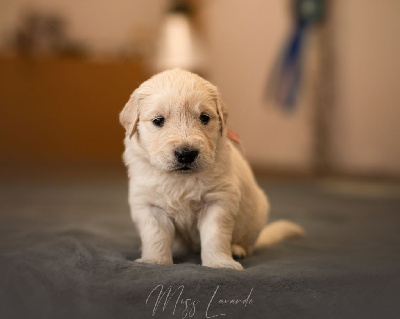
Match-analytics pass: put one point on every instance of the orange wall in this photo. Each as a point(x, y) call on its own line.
point(64, 111)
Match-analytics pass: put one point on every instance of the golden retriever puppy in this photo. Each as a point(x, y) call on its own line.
point(188, 182)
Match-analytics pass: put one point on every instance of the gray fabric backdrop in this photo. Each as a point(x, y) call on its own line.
point(67, 251)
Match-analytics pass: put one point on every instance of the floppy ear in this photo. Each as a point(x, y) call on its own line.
point(129, 116)
point(222, 114)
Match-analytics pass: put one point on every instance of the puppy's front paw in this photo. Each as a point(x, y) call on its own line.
point(223, 263)
point(159, 261)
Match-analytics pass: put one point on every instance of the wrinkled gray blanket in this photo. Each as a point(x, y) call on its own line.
point(68, 250)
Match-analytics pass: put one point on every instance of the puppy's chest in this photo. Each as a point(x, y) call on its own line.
point(183, 204)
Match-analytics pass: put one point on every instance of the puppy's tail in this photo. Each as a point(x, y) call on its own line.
point(278, 231)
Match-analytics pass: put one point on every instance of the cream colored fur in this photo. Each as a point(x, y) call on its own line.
point(216, 207)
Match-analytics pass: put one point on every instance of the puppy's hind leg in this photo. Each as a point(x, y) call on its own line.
point(238, 252)
point(180, 246)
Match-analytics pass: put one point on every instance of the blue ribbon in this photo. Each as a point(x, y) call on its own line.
point(285, 83)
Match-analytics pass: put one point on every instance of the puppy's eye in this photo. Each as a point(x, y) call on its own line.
point(204, 118)
point(159, 121)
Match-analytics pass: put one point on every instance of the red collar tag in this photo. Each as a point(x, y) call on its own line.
point(233, 136)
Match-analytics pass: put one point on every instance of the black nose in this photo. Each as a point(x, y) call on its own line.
point(186, 155)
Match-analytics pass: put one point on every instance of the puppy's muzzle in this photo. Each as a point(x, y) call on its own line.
point(186, 155)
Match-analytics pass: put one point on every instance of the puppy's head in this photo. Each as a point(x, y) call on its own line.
point(179, 118)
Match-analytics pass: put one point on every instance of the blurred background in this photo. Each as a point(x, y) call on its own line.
point(312, 86)
point(313, 91)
